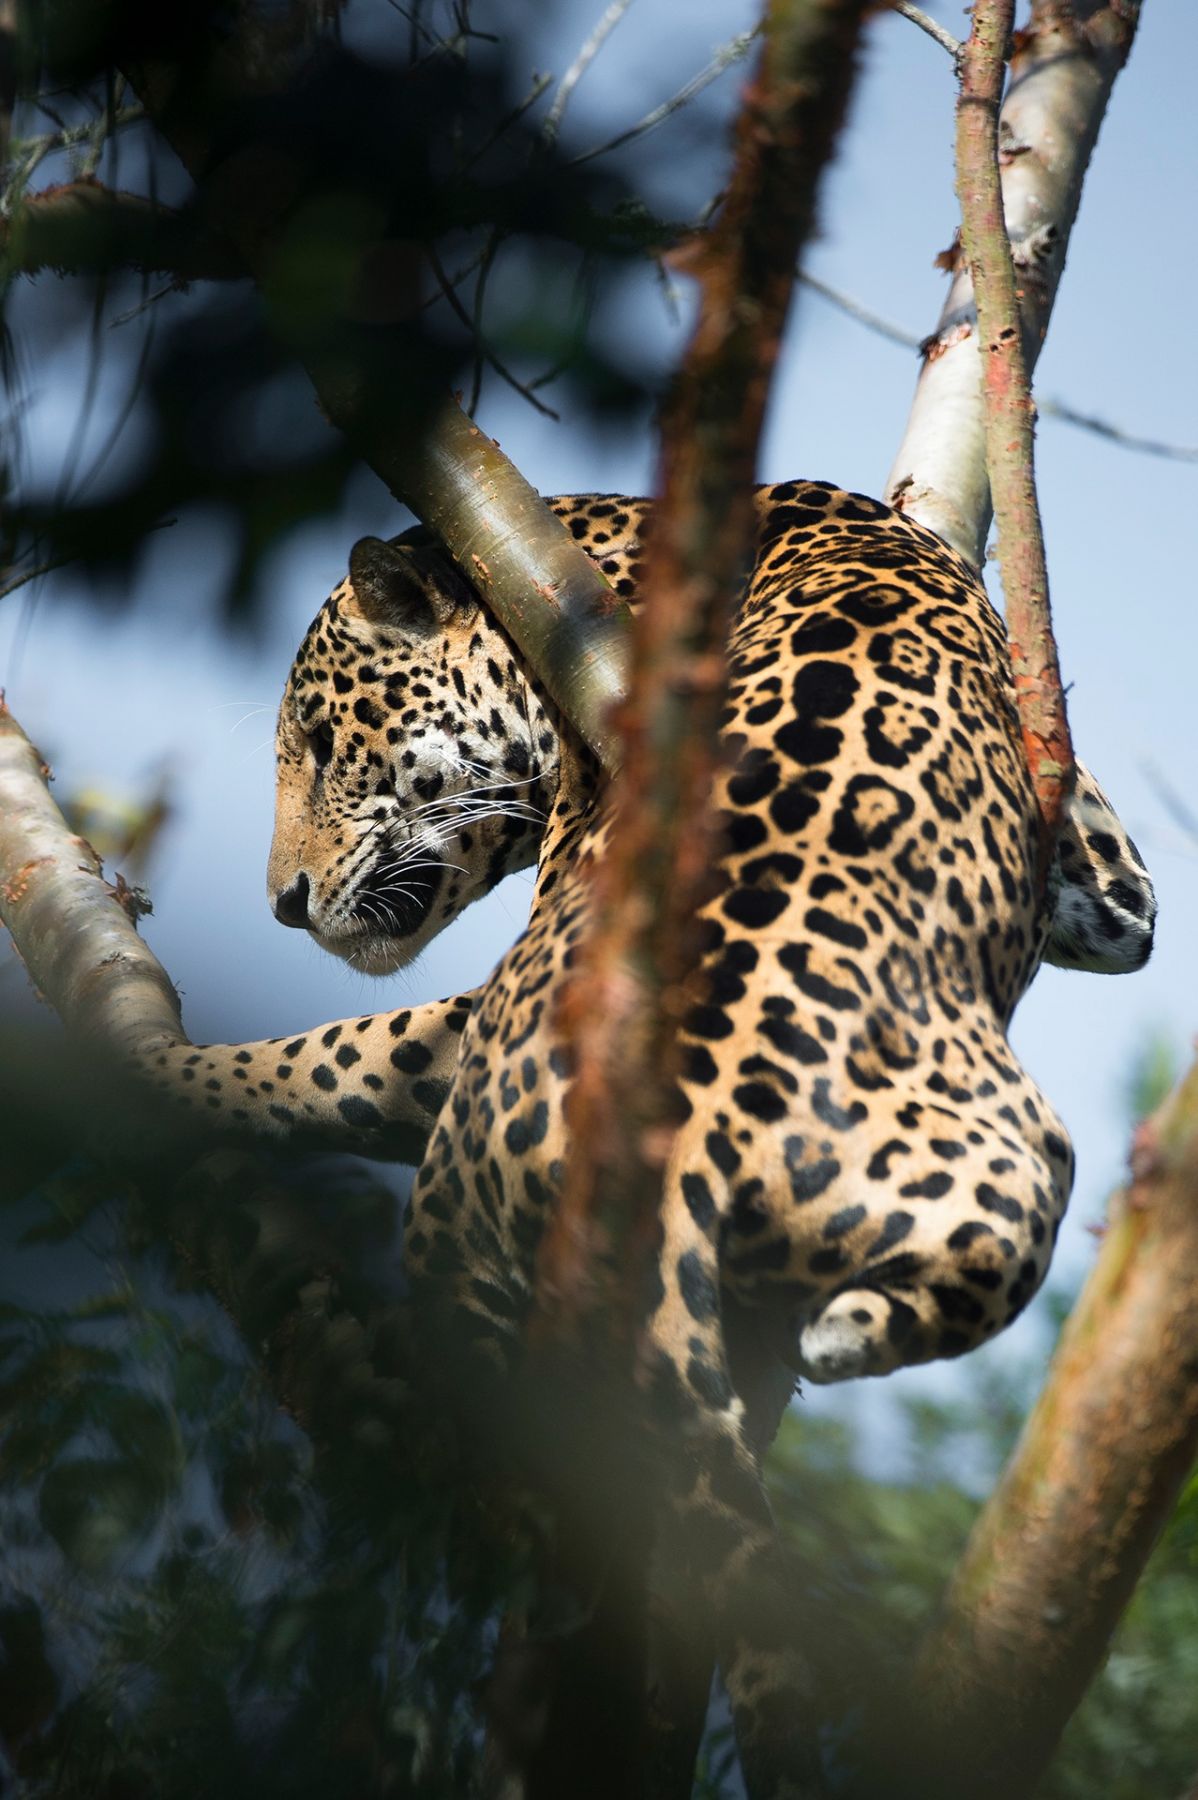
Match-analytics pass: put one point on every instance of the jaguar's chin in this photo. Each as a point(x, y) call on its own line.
point(390, 923)
point(371, 953)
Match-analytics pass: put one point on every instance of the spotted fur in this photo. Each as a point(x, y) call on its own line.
point(863, 1162)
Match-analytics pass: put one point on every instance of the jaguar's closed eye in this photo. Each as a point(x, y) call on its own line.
point(321, 743)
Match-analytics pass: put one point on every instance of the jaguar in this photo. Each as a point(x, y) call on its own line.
point(862, 1161)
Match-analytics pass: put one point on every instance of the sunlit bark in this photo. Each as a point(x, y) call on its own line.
point(1061, 74)
point(74, 931)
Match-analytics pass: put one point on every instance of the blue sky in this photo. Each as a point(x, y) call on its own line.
point(111, 699)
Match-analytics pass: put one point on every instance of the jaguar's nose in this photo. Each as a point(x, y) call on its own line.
point(291, 904)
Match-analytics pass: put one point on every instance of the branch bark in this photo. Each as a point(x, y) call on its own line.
point(73, 930)
point(76, 934)
point(1008, 413)
point(1060, 1545)
point(1061, 75)
point(621, 1008)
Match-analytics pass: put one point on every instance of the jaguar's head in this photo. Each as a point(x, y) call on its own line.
point(415, 759)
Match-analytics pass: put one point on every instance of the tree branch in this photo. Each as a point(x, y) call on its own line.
point(84, 227)
point(1010, 444)
point(1056, 1553)
point(926, 23)
point(654, 873)
point(73, 930)
point(629, 987)
point(1061, 74)
point(308, 1291)
point(609, 19)
point(732, 52)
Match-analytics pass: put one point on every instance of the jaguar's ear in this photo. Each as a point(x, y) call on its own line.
point(414, 587)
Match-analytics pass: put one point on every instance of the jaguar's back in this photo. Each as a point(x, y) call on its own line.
point(861, 1145)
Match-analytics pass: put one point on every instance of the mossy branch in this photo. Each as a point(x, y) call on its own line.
point(1057, 1550)
point(1009, 414)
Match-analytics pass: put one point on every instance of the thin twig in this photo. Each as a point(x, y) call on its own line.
point(45, 568)
point(483, 347)
point(28, 152)
point(1173, 803)
point(864, 315)
point(60, 562)
point(101, 132)
point(586, 56)
point(539, 84)
point(1128, 440)
point(732, 52)
point(917, 16)
point(490, 251)
point(1047, 409)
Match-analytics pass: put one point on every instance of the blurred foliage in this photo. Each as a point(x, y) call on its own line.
point(124, 828)
point(1153, 1071)
point(1135, 1736)
point(195, 1597)
point(435, 215)
point(200, 1596)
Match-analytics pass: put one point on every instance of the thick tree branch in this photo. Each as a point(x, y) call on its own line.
point(1060, 1545)
point(1010, 446)
point(74, 932)
point(1061, 74)
point(76, 935)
